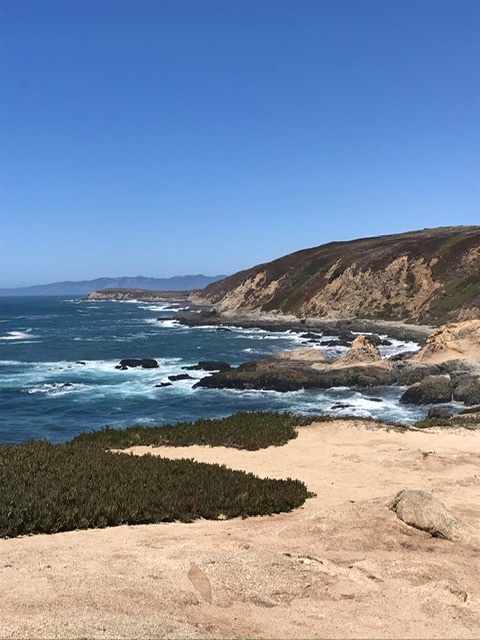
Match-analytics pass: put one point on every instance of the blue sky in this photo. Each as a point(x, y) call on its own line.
point(163, 138)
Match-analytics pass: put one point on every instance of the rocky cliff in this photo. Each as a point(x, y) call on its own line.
point(432, 275)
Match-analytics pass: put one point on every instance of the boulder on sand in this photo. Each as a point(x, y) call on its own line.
point(431, 390)
point(421, 510)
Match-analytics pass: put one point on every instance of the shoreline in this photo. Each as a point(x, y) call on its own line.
point(275, 322)
point(342, 566)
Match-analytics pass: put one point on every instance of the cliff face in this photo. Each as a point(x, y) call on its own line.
point(431, 275)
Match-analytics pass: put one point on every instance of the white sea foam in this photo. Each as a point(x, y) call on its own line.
point(165, 308)
point(18, 335)
point(166, 324)
point(57, 389)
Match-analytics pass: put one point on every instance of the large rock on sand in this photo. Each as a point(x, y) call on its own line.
point(421, 510)
point(431, 390)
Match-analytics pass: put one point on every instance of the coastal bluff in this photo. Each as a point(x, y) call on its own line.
point(431, 276)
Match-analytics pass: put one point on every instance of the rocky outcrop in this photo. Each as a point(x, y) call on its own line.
point(455, 341)
point(290, 375)
point(424, 276)
point(467, 389)
point(303, 354)
point(431, 390)
point(143, 363)
point(421, 510)
point(363, 351)
point(208, 365)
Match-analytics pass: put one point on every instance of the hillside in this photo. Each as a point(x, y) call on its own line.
point(432, 275)
point(84, 287)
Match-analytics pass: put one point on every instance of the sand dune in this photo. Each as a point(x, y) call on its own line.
point(343, 566)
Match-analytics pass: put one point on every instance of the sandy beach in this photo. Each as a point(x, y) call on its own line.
point(343, 566)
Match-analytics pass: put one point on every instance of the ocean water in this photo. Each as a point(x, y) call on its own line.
point(45, 391)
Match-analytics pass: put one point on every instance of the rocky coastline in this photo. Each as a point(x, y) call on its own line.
point(208, 314)
point(143, 295)
point(443, 372)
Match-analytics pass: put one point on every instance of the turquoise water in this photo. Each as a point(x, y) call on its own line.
point(44, 340)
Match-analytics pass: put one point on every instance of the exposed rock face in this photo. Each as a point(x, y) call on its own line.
point(413, 373)
point(429, 275)
point(304, 354)
point(456, 341)
point(467, 390)
point(421, 510)
point(362, 351)
point(288, 375)
point(440, 412)
point(431, 390)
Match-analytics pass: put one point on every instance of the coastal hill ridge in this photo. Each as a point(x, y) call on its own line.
point(426, 276)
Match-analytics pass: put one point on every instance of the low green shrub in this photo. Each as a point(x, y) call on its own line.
point(46, 488)
point(252, 431)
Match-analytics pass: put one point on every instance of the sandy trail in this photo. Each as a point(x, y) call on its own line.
point(343, 566)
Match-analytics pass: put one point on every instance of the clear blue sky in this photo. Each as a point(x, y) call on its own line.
point(163, 138)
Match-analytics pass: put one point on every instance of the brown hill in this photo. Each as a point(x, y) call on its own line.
point(431, 275)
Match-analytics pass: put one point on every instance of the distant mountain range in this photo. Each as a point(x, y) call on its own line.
point(84, 287)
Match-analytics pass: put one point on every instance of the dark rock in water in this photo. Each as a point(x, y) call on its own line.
point(121, 368)
point(164, 384)
point(414, 372)
point(287, 377)
point(374, 399)
point(81, 362)
point(209, 365)
point(310, 336)
point(226, 329)
point(180, 376)
point(431, 390)
point(144, 363)
point(474, 409)
point(440, 412)
point(377, 341)
point(342, 334)
point(341, 405)
point(467, 390)
point(335, 343)
point(66, 385)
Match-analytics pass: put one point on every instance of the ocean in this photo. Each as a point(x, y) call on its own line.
point(58, 376)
